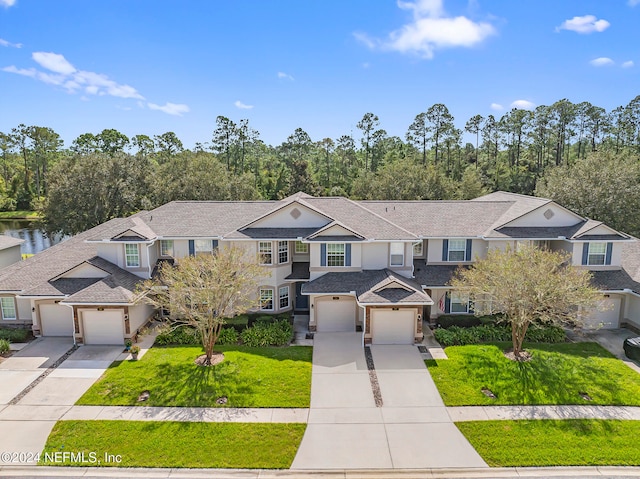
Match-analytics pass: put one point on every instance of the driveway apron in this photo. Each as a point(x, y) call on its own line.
point(346, 430)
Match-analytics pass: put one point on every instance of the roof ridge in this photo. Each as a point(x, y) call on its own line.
point(381, 217)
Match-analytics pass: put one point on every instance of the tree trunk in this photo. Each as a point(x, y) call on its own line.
point(518, 332)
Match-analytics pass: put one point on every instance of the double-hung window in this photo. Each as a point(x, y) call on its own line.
point(132, 255)
point(283, 295)
point(283, 252)
point(301, 248)
point(266, 253)
point(166, 248)
point(266, 299)
point(597, 254)
point(8, 308)
point(335, 254)
point(396, 256)
point(457, 249)
point(203, 246)
point(459, 302)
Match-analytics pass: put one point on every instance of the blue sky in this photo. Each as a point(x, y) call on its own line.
point(154, 66)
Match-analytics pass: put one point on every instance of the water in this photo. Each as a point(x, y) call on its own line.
point(35, 239)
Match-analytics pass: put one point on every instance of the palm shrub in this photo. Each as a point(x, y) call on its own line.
point(4, 346)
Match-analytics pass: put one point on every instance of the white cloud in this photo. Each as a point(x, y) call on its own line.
point(584, 24)
point(523, 105)
point(633, 3)
point(54, 62)
point(497, 107)
point(170, 108)
point(242, 106)
point(31, 72)
point(6, 43)
point(601, 62)
point(628, 64)
point(7, 3)
point(285, 76)
point(430, 30)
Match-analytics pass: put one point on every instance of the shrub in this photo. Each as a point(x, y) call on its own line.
point(465, 321)
point(455, 335)
point(179, 335)
point(239, 323)
point(264, 333)
point(14, 335)
point(228, 336)
point(4, 346)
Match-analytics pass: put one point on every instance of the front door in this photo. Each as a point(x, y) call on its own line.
point(302, 302)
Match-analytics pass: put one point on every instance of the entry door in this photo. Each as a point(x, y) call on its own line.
point(302, 302)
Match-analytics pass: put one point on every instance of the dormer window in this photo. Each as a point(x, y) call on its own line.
point(132, 255)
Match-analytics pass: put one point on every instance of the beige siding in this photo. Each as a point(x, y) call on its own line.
point(109, 251)
point(374, 255)
point(24, 309)
point(138, 316)
point(10, 255)
point(86, 271)
point(616, 256)
point(561, 217)
point(284, 219)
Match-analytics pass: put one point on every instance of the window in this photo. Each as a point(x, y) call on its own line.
point(203, 246)
point(132, 255)
point(8, 307)
point(283, 252)
point(597, 253)
point(283, 294)
point(396, 254)
point(302, 248)
point(459, 302)
point(166, 247)
point(457, 249)
point(266, 298)
point(265, 252)
point(417, 249)
point(335, 254)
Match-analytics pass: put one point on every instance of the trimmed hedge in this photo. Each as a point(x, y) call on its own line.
point(180, 335)
point(488, 333)
point(4, 346)
point(464, 320)
point(228, 336)
point(239, 323)
point(261, 334)
point(14, 335)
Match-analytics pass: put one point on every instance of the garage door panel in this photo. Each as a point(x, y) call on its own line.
point(56, 320)
point(103, 327)
point(336, 315)
point(606, 315)
point(392, 327)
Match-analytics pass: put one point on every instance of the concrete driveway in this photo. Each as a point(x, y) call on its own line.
point(347, 431)
point(25, 427)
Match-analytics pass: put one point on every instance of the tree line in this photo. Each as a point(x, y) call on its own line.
point(109, 174)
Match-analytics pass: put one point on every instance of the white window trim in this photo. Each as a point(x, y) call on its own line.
point(127, 256)
point(450, 250)
point(262, 253)
point(301, 248)
point(421, 252)
point(262, 308)
point(344, 255)
point(461, 298)
point(603, 254)
point(15, 308)
point(166, 253)
point(283, 247)
point(391, 254)
point(208, 250)
point(280, 297)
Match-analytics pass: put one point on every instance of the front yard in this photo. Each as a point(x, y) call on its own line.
point(557, 374)
point(248, 377)
point(177, 444)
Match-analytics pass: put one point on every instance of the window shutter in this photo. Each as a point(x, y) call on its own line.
point(347, 254)
point(471, 307)
point(323, 254)
point(192, 248)
point(607, 259)
point(467, 253)
point(445, 250)
point(214, 244)
point(585, 253)
point(447, 302)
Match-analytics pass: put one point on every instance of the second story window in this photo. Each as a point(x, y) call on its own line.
point(283, 252)
point(335, 254)
point(457, 248)
point(131, 255)
point(301, 248)
point(203, 246)
point(265, 252)
point(417, 249)
point(597, 254)
point(166, 247)
point(396, 254)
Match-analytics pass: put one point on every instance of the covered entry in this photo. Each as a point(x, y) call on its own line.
point(335, 313)
point(55, 320)
point(103, 327)
point(393, 326)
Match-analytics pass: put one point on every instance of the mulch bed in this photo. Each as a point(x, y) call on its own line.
point(216, 358)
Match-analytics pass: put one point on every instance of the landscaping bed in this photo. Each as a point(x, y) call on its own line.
point(176, 444)
point(248, 377)
point(570, 442)
point(556, 374)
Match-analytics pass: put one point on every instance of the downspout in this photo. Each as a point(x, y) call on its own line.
point(149, 259)
point(364, 324)
point(73, 323)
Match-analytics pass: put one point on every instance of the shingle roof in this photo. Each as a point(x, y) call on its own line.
point(271, 233)
point(626, 278)
point(7, 241)
point(433, 275)
point(118, 287)
point(299, 270)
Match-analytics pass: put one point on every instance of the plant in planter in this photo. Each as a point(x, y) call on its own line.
point(135, 349)
point(127, 345)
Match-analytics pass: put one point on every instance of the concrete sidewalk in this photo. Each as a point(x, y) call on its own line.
point(492, 413)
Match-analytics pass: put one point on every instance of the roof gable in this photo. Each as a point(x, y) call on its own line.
point(294, 214)
point(335, 229)
point(548, 214)
point(83, 270)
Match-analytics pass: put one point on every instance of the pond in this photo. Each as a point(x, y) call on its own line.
point(35, 239)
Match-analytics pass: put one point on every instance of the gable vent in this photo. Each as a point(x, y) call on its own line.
point(549, 214)
point(295, 213)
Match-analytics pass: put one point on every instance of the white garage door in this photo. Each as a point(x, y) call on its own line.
point(103, 327)
point(605, 316)
point(56, 320)
point(392, 327)
point(334, 315)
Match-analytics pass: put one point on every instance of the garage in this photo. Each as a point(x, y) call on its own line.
point(606, 314)
point(336, 314)
point(56, 320)
point(390, 326)
point(103, 327)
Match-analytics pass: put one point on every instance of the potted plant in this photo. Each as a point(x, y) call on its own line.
point(127, 345)
point(135, 349)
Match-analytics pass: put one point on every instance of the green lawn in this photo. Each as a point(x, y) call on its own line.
point(249, 377)
point(574, 442)
point(556, 375)
point(177, 444)
point(19, 215)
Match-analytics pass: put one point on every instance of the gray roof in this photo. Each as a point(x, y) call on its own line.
point(299, 270)
point(7, 241)
point(271, 233)
point(433, 275)
point(626, 278)
point(370, 286)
